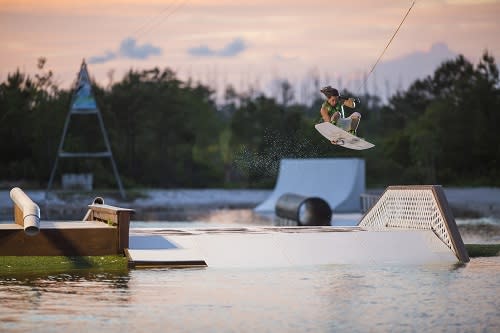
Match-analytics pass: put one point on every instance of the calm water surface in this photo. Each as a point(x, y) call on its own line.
point(335, 298)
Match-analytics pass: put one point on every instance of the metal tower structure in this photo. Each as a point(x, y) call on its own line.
point(83, 103)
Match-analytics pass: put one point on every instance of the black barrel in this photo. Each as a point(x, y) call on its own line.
point(308, 211)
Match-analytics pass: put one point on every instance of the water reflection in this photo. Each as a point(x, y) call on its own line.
point(44, 303)
point(343, 298)
point(340, 298)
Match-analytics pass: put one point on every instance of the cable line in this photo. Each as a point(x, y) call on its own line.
point(161, 17)
point(386, 47)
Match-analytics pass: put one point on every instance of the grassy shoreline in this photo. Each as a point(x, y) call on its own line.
point(116, 263)
point(61, 264)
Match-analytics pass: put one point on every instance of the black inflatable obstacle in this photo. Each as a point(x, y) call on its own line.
point(306, 211)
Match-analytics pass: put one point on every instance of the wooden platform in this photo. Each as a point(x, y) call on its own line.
point(104, 231)
point(59, 238)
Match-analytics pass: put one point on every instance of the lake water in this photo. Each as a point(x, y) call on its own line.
point(333, 298)
point(338, 298)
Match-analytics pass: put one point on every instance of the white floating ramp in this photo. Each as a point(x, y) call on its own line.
point(288, 246)
point(410, 225)
point(338, 181)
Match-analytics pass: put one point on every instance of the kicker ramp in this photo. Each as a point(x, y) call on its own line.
point(416, 207)
point(338, 181)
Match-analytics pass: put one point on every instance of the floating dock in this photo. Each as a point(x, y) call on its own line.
point(410, 225)
point(103, 231)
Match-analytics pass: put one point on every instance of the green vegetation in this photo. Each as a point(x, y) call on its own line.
point(166, 133)
point(58, 264)
point(483, 250)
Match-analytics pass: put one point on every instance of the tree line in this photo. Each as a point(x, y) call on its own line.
point(169, 133)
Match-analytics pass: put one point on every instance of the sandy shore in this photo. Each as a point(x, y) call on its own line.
point(465, 202)
point(149, 204)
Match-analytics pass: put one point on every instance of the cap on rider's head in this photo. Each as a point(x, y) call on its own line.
point(329, 91)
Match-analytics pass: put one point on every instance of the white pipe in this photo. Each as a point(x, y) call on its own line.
point(30, 210)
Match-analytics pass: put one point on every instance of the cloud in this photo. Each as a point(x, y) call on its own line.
point(202, 51)
point(232, 49)
point(102, 58)
point(128, 49)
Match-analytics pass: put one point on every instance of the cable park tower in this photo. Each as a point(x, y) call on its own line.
point(83, 104)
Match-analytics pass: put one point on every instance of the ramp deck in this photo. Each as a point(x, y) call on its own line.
point(283, 247)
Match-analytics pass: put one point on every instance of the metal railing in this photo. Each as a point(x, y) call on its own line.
point(368, 201)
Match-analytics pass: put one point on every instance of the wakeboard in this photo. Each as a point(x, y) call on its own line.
point(339, 137)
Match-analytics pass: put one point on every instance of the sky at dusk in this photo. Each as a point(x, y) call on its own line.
point(239, 42)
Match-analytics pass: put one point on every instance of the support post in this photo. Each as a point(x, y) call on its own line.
point(116, 216)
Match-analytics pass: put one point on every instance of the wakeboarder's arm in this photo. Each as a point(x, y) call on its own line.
point(324, 115)
point(350, 103)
